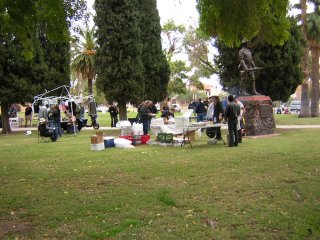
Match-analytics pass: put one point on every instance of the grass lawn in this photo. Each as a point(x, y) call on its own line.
point(293, 119)
point(267, 188)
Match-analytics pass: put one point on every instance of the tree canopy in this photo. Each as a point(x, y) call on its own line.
point(282, 73)
point(22, 18)
point(156, 67)
point(232, 20)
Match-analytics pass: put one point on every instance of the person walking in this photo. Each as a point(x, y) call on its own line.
point(231, 114)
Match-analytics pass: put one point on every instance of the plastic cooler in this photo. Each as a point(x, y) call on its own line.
point(108, 142)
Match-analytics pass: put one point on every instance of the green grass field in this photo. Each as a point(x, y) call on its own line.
point(267, 188)
point(293, 119)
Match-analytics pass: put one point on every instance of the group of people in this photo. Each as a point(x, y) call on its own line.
point(50, 117)
point(211, 109)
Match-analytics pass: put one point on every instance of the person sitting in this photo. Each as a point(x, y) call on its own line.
point(45, 131)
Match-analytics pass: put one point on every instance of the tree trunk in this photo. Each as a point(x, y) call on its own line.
point(90, 83)
point(6, 129)
point(304, 110)
point(122, 111)
point(314, 108)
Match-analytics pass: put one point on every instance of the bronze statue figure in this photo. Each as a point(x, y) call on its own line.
point(246, 68)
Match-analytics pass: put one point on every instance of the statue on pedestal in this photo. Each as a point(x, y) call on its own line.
point(247, 68)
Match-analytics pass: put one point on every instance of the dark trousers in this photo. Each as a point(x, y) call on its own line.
point(233, 133)
point(145, 124)
point(114, 120)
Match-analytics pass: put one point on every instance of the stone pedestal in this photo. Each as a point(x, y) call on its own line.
point(259, 119)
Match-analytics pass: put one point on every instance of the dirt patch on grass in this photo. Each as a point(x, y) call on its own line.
point(14, 227)
point(263, 136)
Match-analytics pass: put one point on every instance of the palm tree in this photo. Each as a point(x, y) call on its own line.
point(313, 35)
point(84, 51)
point(305, 110)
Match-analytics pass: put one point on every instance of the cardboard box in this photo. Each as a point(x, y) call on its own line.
point(97, 147)
point(100, 139)
point(95, 139)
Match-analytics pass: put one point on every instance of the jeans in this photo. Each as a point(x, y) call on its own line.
point(57, 126)
point(145, 124)
point(201, 117)
point(233, 133)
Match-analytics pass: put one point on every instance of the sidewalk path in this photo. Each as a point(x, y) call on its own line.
point(23, 129)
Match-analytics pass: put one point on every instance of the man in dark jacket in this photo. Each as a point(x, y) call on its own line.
point(200, 110)
point(231, 114)
point(113, 110)
point(144, 115)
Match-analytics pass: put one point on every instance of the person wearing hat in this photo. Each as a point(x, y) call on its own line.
point(246, 63)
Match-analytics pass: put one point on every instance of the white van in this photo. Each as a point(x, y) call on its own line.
point(295, 106)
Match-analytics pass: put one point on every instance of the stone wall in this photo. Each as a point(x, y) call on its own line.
point(259, 119)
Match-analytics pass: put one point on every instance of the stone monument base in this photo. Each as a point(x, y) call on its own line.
point(258, 116)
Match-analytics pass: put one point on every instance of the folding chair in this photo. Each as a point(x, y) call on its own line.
point(46, 134)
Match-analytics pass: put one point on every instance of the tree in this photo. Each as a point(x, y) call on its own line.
point(282, 72)
point(84, 51)
point(22, 17)
point(181, 73)
point(118, 60)
point(196, 45)
point(156, 67)
point(23, 78)
point(305, 110)
point(313, 36)
point(232, 20)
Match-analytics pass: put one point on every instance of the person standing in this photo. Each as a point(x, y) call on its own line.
point(200, 110)
point(217, 115)
point(56, 115)
point(113, 110)
point(144, 115)
point(153, 109)
point(231, 114)
point(210, 109)
point(43, 112)
point(240, 120)
point(28, 115)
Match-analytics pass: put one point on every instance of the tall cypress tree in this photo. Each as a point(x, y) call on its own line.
point(157, 70)
point(118, 60)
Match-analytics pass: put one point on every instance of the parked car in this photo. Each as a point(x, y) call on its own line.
point(176, 107)
point(295, 106)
